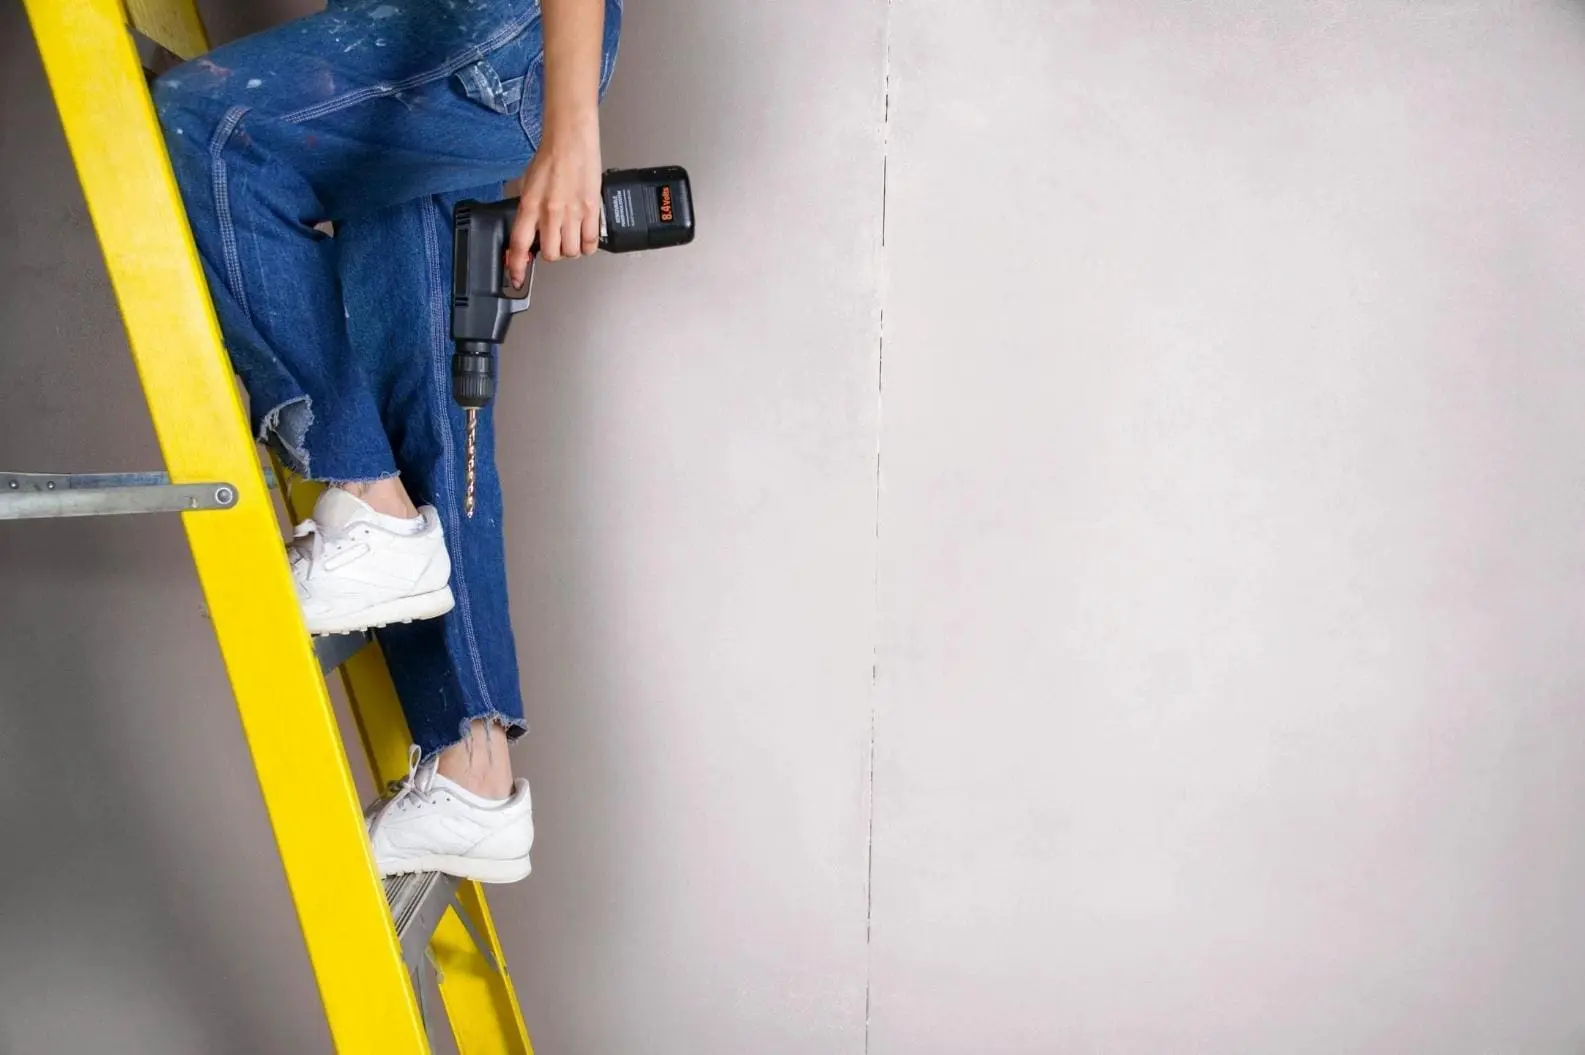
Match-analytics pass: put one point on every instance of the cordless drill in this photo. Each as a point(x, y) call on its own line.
point(640, 209)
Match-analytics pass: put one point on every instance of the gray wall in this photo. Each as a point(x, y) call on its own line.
point(1195, 669)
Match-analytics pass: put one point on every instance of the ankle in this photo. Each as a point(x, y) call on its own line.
point(386, 496)
point(480, 762)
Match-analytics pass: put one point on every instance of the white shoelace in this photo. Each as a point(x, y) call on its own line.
point(307, 546)
point(409, 788)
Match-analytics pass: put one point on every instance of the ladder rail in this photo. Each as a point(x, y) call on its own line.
point(100, 91)
point(172, 24)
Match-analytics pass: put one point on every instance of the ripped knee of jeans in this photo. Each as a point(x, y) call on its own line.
point(285, 429)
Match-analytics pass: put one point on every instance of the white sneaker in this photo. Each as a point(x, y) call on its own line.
point(356, 568)
point(432, 824)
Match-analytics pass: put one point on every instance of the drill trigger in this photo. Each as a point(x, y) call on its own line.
point(518, 295)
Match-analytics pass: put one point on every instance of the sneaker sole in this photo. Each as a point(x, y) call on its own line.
point(402, 610)
point(480, 871)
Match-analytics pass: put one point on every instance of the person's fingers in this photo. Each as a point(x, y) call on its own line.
point(572, 235)
point(591, 232)
point(550, 223)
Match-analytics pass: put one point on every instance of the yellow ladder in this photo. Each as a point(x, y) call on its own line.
point(367, 945)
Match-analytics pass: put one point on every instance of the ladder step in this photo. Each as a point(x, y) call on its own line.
point(336, 649)
point(417, 904)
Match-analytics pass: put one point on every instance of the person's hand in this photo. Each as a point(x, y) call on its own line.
point(559, 197)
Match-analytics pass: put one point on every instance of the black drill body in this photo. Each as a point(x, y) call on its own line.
point(640, 209)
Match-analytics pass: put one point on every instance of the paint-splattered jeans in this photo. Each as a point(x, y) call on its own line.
point(377, 115)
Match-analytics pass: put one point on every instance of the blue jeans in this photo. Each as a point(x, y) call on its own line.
point(379, 116)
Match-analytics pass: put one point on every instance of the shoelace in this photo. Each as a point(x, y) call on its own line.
point(408, 788)
point(308, 545)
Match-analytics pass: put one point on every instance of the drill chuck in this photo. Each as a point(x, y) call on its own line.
point(473, 374)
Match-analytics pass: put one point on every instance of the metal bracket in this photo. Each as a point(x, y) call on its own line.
point(473, 932)
point(336, 649)
point(28, 496)
point(418, 902)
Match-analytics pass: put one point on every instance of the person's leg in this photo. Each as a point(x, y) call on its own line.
point(351, 110)
point(332, 116)
point(457, 676)
point(340, 116)
point(345, 112)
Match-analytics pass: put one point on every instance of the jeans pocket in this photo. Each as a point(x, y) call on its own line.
point(483, 83)
point(510, 80)
point(531, 95)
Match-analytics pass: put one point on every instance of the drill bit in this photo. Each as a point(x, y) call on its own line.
point(473, 430)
